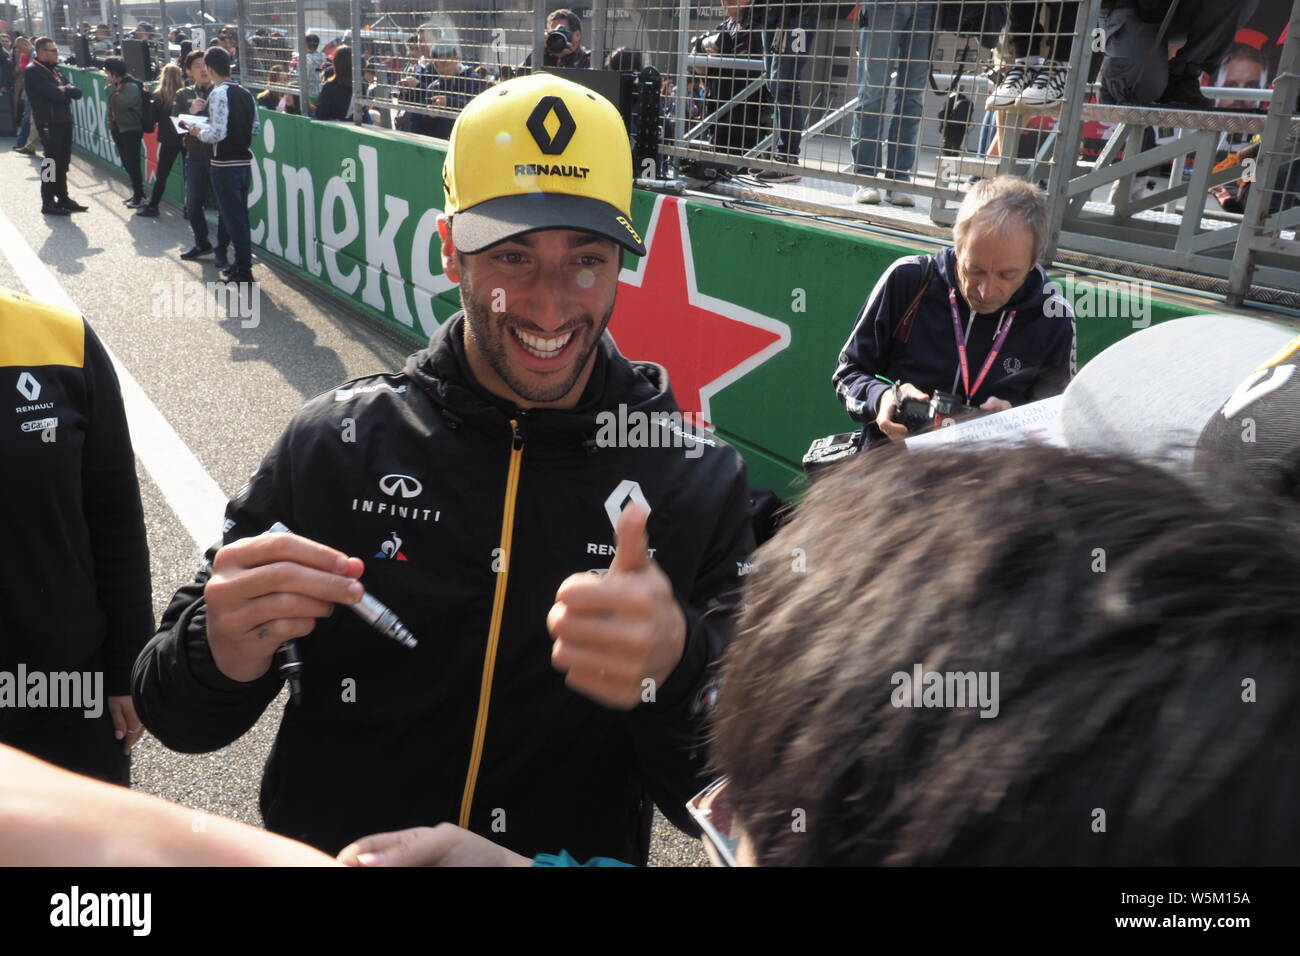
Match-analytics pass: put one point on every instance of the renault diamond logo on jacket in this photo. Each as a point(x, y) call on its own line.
point(548, 144)
point(627, 490)
point(391, 485)
point(28, 387)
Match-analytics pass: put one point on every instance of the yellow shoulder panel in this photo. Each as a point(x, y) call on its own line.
point(37, 333)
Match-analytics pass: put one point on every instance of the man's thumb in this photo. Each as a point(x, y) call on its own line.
point(631, 551)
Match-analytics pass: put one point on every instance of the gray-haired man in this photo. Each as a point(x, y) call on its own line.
point(973, 320)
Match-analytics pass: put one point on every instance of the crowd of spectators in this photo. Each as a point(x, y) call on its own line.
point(1153, 52)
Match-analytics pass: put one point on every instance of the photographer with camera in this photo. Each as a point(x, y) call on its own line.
point(973, 328)
point(739, 128)
point(563, 43)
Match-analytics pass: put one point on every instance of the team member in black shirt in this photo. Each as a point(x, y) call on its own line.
point(557, 703)
point(75, 605)
point(49, 97)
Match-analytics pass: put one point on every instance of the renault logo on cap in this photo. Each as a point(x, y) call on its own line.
point(548, 144)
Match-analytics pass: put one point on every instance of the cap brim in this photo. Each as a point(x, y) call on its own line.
point(495, 220)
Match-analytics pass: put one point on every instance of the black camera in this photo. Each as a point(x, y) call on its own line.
point(943, 408)
point(558, 40)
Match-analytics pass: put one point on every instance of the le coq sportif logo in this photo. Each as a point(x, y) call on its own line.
point(548, 144)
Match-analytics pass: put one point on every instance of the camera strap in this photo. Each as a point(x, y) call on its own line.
point(961, 347)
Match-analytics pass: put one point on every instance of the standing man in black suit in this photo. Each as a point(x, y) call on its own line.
point(50, 96)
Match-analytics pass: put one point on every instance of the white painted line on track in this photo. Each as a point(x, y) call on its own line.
point(197, 500)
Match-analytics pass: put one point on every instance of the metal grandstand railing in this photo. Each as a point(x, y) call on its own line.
point(1270, 228)
point(875, 111)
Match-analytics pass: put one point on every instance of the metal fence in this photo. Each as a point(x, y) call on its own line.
point(106, 24)
point(878, 111)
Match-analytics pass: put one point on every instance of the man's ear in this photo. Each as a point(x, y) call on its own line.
point(450, 267)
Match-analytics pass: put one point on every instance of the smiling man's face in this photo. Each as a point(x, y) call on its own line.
point(535, 308)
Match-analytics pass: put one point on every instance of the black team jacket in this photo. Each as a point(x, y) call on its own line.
point(49, 95)
point(423, 475)
point(74, 570)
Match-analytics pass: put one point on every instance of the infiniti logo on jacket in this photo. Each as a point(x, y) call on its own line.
point(394, 486)
point(405, 485)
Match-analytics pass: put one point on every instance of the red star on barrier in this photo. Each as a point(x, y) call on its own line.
point(151, 156)
point(706, 343)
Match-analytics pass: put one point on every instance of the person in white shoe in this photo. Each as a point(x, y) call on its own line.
point(1036, 79)
point(895, 40)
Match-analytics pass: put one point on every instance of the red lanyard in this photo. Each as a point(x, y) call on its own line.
point(961, 347)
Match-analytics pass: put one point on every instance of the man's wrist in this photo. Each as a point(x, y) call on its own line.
point(681, 678)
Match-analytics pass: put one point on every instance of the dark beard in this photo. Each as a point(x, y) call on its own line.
point(489, 330)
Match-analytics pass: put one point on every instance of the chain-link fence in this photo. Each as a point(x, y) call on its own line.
point(875, 110)
point(108, 28)
point(1269, 191)
point(272, 48)
point(421, 64)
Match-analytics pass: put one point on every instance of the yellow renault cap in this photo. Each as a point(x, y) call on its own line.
point(538, 152)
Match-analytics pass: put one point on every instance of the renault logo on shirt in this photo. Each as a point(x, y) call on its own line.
point(404, 485)
point(28, 387)
point(627, 491)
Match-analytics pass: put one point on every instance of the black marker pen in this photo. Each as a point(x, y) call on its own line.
point(371, 610)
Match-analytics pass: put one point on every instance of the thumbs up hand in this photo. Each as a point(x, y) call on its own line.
point(618, 636)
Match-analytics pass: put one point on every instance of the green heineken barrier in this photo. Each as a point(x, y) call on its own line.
point(747, 311)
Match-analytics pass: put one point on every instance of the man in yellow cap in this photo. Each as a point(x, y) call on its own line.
point(565, 644)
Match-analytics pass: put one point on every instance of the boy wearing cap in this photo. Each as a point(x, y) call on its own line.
point(565, 644)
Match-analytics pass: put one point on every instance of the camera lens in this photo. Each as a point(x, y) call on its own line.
point(558, 39)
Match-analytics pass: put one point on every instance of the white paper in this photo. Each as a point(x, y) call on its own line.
point(182, 123)
point(1036, 422)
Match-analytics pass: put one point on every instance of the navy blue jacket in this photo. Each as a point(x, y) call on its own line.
point(459, 89)
point(1037, 359)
